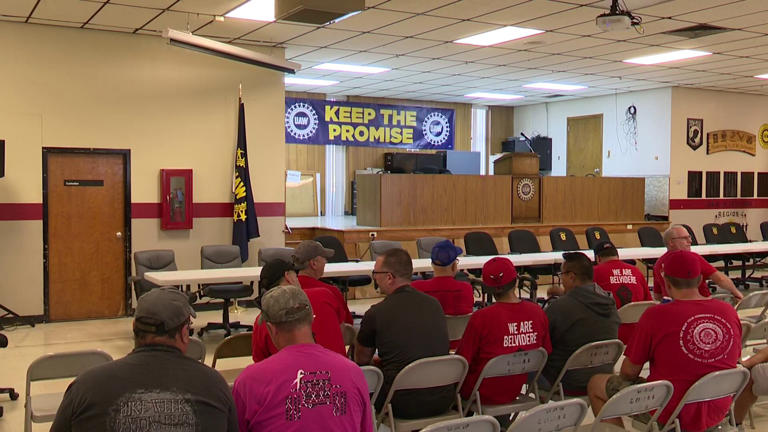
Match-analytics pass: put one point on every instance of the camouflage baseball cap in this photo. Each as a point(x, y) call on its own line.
point(284, 304)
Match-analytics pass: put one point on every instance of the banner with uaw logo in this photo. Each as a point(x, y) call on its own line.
point(312, 121)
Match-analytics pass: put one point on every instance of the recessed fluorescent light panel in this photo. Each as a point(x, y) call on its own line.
point(667, 57)
point(486, 95)
point(763, 76)
point(498, 36)
point(308, 81)
point(257, 10)
point(555, 86)
point(351, 68)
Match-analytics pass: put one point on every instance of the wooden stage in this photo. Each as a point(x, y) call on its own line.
point(356, 238)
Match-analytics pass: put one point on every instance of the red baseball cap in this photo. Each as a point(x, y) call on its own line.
point(682, 264)
point(498, 271)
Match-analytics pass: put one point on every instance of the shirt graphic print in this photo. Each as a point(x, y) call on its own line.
point(314, 389)
point(706, 337)
point(154, 410)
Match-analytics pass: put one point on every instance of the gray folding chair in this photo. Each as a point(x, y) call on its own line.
point(754, 300)
point(375, 379)
point(378, 247)
point(522, 362)
point(196, 349)
point(755, 336)
point(456, 326)
point(425, 373)
point(349, 333)
point(551, 417)
point(424, 245)
point(714, 385)
point(636, 399)
point(590, 355)
point(234, 346)
point(268, 254)
point(42, 408)
point(631, 312)
point(478, 423)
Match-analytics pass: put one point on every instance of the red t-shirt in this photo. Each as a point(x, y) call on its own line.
point(501, 328)
point(659, 286)
point(684, 340)
point(326, 327)
point(627, 284)
point(455, 297)
point(341, 305)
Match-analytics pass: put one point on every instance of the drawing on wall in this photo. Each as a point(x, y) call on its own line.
point(695, 133)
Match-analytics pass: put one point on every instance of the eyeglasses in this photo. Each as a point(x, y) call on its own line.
point(682, 238)
point(375, 272)
point(560, 274)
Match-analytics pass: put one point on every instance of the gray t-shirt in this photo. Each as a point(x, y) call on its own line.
point(154, 388)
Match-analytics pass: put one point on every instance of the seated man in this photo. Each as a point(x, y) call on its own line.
point(154, 387)
point(625, 281)
point(507, 326)
point(406, 326)
point(310, 258)
point(326, 327)
point(303, 386)
point(455, 297)
point(757, 385)
point(584, 314)
point(683, 340)
point(676, 237)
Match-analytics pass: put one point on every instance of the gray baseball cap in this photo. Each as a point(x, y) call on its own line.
point(307, 250)
point(162, 309)
point(284, 304)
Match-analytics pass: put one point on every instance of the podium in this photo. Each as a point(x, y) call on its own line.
point(526, 184)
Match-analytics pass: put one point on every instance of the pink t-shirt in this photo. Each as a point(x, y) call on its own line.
point(501, 328)
point(303, 388)
point(684, 340)
point(627, 284)
point(326, 327)
point(659, 286)
point(342, 309)
point(454, 296)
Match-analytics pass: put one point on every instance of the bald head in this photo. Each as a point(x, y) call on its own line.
point(676, 237)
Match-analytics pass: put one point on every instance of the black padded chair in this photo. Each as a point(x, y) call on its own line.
point(694, 240)
point(340, 256)
point(224, 256)
point(732, 232)
point(595, 235)
point(563, 239)
point(12, 393)
point(522, 241)
point(764, 230)
point(479, 243)
point(268, 254)
point(424, 245)
point(649, 237)
point(150, 261)
point(378, 247)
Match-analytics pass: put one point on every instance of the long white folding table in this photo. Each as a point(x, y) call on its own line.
point(247, 274)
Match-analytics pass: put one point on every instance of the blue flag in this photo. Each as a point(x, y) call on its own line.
point(245, 226)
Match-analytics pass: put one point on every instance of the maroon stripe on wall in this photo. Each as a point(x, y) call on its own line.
point(716, 204)
point(21, 211)
point(34, 211)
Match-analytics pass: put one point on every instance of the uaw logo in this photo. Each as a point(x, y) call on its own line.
point(436, 128)
point(301, 120)
point(762, 136)
point(525, 189)
point(706, 338)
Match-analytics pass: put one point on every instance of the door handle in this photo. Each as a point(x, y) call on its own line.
point(119, 234)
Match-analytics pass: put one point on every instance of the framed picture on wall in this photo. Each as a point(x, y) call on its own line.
point(176, 187)
point(694, 133)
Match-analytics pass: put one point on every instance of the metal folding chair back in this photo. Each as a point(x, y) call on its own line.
point(521, 362)
point(636, 399)
point(754, 300)
point(478, 423)
point(631, 312)
point(196, 349)
point(456, 325)
point(714, 385)
point(238, 345)
point(551, 417)
point(42, 408)
point(755, 332)
point(375, 379)
point(590, 355)
point(425, 373)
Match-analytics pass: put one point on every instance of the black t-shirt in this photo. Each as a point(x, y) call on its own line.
point(153, 388)
point(407, 325)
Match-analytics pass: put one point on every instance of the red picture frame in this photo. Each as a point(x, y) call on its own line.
point(176, 202)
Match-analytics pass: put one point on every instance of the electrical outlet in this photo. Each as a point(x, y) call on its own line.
point(629, 226)
point(372, 234)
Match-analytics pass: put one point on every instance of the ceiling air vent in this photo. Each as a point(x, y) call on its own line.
point(315, 11)
point(696, 31)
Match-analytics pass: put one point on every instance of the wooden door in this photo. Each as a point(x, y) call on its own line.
point(86, 234)
point(585, 146)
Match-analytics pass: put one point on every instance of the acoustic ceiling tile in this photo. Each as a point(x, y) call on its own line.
point(405, 46)
point(322, 37)
point(277, 32)
point(415, 25)
point(123, 16)
point(370, 19)
point(209, 7)
point(515, 15)
point(365, 41)
point(65, 10)
point(467, 9)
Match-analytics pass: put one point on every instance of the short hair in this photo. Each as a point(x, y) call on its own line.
point(579, 264)
point(609, 252)
point(680, 283)
point(670, 232)
point(500, 291)
point(398, 262)
point(142, 337)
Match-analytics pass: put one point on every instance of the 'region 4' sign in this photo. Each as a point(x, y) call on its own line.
point(311, 121)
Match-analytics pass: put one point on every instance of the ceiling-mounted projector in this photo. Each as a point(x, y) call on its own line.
point(617, 19)
point(315, 11)
point(227, 51)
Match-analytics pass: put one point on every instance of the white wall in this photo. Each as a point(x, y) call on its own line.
point(621, 158)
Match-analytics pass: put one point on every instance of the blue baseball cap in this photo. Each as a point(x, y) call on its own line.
point(444, 253)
